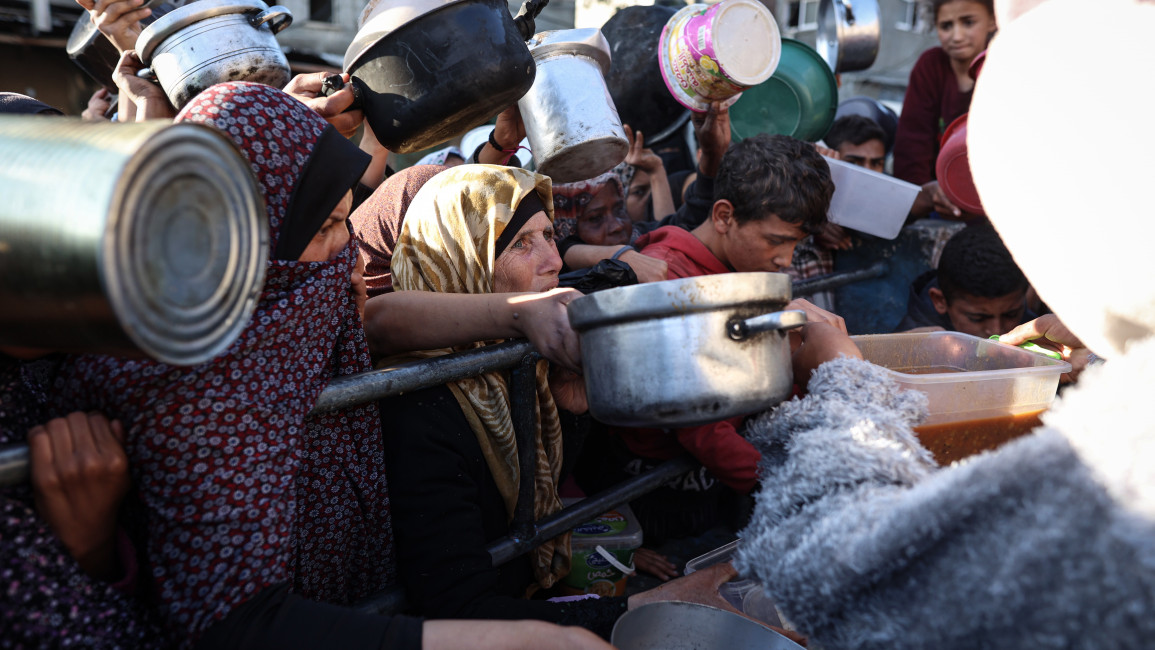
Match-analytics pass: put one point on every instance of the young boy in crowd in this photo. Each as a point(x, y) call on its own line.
point(858, 140)
point(977, 288)
point(770, 193)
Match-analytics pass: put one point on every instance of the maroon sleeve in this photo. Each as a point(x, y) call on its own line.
point(916, 141)
point(723, 451)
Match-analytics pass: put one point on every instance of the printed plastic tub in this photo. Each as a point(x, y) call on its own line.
point(603, 554)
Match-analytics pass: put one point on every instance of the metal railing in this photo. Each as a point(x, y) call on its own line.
point(518, 356)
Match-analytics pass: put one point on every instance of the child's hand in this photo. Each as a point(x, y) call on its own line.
point(655, 564)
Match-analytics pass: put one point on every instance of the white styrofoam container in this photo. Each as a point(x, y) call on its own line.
point(868, 201)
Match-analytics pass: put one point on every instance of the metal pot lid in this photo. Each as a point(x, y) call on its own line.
point(589, 42)
point(384, 18)
point(684, 296)
point(178, 19)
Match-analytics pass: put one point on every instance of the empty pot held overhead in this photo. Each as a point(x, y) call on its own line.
point(208, 42)
point(686, 352)
point(570, 119)
point(848, 34)
point(431, 70)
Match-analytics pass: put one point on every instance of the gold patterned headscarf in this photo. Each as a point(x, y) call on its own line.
point(447, 245)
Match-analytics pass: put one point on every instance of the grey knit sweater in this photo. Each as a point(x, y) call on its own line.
point(1048, 542)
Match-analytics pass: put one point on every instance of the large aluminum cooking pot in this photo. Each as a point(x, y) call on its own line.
point(572, 124)
point(848, 34)
point(430, 70)
point(673, 625)
point(686, 352)
point(208, 42)
point(127, 239)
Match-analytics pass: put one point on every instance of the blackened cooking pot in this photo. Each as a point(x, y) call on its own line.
point(431, 77)
point(686, 352)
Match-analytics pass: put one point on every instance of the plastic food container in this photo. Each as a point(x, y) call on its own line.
point(868, 201)
point(746, 596)
point(603, 554)
point(980, 393)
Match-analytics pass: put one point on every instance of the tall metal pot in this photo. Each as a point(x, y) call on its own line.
point(686, 352)
point(127, 239)
point(848, 34)
point(208, 42)
point(570, 119)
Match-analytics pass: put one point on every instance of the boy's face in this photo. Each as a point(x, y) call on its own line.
point(981, 317)
point(758, 245)
point(870, 154)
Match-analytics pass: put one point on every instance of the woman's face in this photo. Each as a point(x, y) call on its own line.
point(531, 262)
point(638, 196)
point(964, 27)
point(604, 221)
point(333, 236)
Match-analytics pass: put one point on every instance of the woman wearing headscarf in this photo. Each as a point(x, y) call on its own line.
point(377, 223)
point(68, 572)
point(263, 521)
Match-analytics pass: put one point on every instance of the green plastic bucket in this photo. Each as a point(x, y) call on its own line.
point(799, 100)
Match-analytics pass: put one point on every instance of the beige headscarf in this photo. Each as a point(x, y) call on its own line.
point(447, 245)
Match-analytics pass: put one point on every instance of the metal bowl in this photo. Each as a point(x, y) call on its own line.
point(675, 625)
point(800, 100)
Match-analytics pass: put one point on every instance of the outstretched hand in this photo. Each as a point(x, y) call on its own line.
point(543, 318)
point(713, 131)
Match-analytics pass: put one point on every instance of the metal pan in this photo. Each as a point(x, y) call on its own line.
point(848, 34)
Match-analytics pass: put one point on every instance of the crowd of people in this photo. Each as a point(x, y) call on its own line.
point(207, 507)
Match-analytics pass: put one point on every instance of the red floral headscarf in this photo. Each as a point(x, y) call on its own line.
point(242, 490)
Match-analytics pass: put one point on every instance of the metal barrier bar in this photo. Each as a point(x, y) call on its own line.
point(13, 464)
point(352, 390)
point(579, 513)
point(523, 399)
point(835, 280)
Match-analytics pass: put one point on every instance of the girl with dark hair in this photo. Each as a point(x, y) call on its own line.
point(939, 91)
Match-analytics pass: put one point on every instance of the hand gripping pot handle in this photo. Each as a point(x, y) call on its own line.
point(740, 330)
point(277, 17)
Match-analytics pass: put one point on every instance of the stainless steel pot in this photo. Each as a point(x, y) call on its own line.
point(673, 625)
point(570, 119)
point(686, 352)
point(127, 238)
point(213, 41)
point(848, 34)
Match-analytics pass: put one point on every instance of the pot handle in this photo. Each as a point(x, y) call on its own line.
point(277, 16)
point(740, 330)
